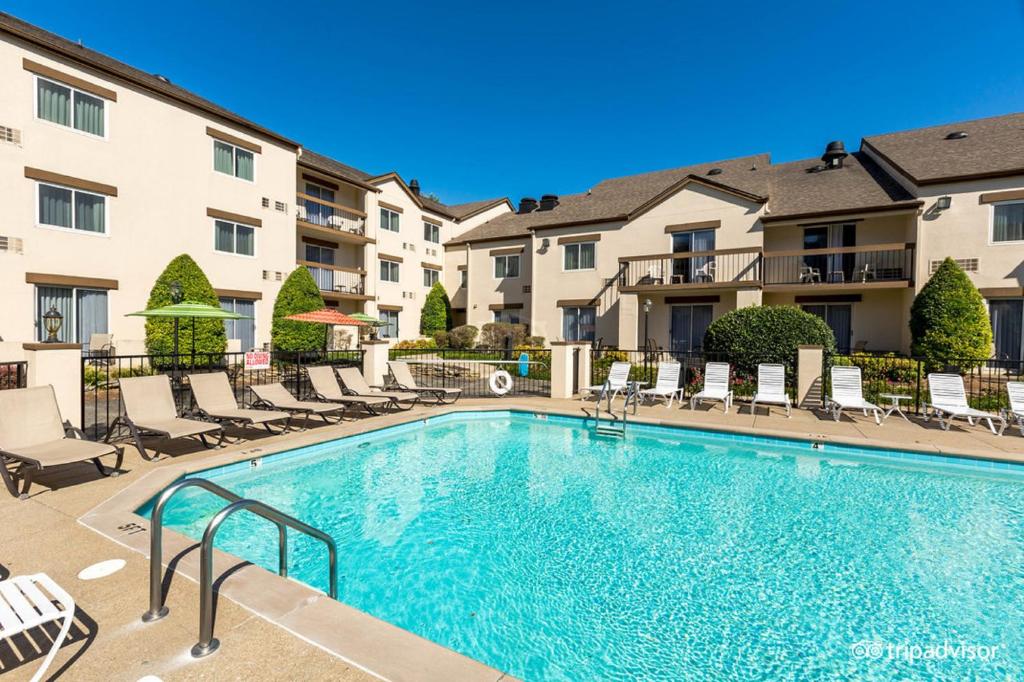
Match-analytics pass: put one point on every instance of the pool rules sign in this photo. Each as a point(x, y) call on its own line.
point(257, 359)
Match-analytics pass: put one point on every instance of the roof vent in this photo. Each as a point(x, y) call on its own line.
point(527, 205)
point(715, 171)
point(414, 185)
point(956, 135)
point(548, 202)
point(817, 169)
point(834, 154)
point(165, 79)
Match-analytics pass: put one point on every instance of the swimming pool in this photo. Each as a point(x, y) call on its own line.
point(530, 544)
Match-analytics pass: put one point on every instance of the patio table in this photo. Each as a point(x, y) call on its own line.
point(894, 404)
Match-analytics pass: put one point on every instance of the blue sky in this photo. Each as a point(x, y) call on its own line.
point(489, 99)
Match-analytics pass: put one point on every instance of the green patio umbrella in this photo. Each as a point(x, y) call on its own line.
point(193, 310)
point(372, 322)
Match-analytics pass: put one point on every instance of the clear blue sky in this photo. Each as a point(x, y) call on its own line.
point(481, 99)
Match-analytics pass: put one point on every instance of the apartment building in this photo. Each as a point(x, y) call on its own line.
point(848, 236)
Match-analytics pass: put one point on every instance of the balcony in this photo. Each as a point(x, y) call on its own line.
point(336, 221)
point(848, 268)
point(338, 283)
point(719, 269)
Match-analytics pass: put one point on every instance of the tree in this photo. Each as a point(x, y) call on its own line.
point(749, 336)
point(298, 294)
point(210, 336)
point(436, 315)
point(948, 320)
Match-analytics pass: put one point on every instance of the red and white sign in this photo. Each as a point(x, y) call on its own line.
point(257, 359)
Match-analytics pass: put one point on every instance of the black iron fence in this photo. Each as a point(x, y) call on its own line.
point(472, 369)
point(13, 374)
point(101, 394)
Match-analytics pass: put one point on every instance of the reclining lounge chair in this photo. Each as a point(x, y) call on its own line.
point(949, 402)
point(848, 394)
point(277, 397)
point(216, 401)
point(355, 385)
point(716, 386)
point(402, 379)
point(326, 388)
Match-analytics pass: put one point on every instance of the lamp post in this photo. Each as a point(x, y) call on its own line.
point(52, 321)
point(647, 313)
point(177, 294)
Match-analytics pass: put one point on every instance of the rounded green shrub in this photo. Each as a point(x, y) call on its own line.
point(436, 315)
point(948, 321)
point(749, 336)
point(298, 294)
point(502, 334)
point(463, 337)
point(210, 336)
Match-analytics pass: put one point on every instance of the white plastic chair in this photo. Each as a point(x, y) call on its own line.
point(716, 386)
point(667, 384)
point(300, 213)
point(336, 221)
point(771, 388)
point(949, 400)
point(705, 273)
point(618, 376)
point(1015, 414)
point(26, 602)
point(809, 275)
point(848, 394)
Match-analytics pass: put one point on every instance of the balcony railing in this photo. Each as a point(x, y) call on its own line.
point(725, 267)
point(328, 214)
point(329, 278)
point(846, 265)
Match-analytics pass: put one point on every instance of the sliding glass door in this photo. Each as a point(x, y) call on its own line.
point(839, 318)
point(689, 322)
point(1007, 317)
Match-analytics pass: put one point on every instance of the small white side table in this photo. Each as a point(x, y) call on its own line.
point(894, 404)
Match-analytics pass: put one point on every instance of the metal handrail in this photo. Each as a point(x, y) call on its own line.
point(158, 610)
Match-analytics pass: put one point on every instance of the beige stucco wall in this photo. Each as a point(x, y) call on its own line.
point(888, 229)
point(159, 157)
point(880, 318)
point(484, 290)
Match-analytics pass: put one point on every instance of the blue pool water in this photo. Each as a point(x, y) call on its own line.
point(553, 554)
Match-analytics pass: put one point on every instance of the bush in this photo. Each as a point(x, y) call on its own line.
point(210, 336)
point(418, 344)
point(442, 339)
point(749, 336)
point(534, 341)
point(463, 337)
point(948, 320)
point(436, 315)
point(500, 334)
point(298, 294)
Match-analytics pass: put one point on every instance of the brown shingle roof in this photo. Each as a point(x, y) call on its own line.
point(109, 66)
point(463, 211)
point(994, 147)
point(327, 165)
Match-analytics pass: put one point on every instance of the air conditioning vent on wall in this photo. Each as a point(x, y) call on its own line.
point(966, 264)
point(10, 244)
point(527, 288)
point(10, 135)
point(265, 202)
point(281, 206)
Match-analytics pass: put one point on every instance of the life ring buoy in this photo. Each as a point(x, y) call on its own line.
point(500, 382)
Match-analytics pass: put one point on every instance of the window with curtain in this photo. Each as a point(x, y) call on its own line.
point(579, 256)
point(579, 323)
point(232, 160)
point(839, 318)
point(84, 312)
point(388, 271)
point(506, 267)
point(389, 220)
point(243, 330)
point(506, 316)
point(432, 232)
point(234, 238)
point(72, 209)
point(318, 213)
point(685, 270)
point(1007, 317)
point(390, 328)
point(1008, 222)
point(431, 277)
point(689, 323)
point(67, 106)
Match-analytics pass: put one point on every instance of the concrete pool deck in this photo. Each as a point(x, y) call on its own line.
point(74, 519)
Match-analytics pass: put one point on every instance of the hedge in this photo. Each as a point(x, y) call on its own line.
point(210, 336)
point(436, 314)
point(765, 334)
point(298, 294)
point(948, 320)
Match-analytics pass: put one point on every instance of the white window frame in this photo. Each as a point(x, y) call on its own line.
point(397, 269)
point(255, 314)
point(436, 277)
point(992, 223)
point(578, 245)
point(432, 227)
point(71, 114)
point(37, 313)
point(73, 229)
point(494, 265)
point(394, 213)
point(234, 238)
point(398, 319)
point(577, 308)
point(234, 160)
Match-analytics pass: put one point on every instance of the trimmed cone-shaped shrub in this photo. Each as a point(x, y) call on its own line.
point(210, 335)
point(298, 294)
point(436, 315)
point(948, 320)
point(749, 336)
point(463, 337)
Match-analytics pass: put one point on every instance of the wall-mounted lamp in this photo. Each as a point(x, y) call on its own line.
point(648, 305)
point(177, 292)
point(52, 321)
point(545, 243)
point(942, 203)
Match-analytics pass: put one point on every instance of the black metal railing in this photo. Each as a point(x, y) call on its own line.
point(101, 395)
point(322, 213)
point(328, 278)
point(13, 374)
point(848, 265)
point(697, 268)
point(471, 369)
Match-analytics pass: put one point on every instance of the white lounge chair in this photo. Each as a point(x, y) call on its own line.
point(771, 388)
point(848, 394)
point(618, 378)
point(26, 602)
point(1015, 413)
point(949, 401)
point(716, 386)
point(666, 385)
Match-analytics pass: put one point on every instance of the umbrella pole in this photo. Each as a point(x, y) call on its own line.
point(193, 343)
point(175, 347)
point(326, 327)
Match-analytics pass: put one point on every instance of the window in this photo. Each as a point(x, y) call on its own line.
point(699, 268)
point(836, 267)
point(1008, 222)
point(232, 160)
point(234, 238)
point(388, 271)
point(84, 311)
point(69, 107)
point(507, 316)
point(324, 277)
point(316, 212)
point(432, 232)
point(463, 278)
point(243, 330)
point(579, 256)
point(390, 328)
point(579, 323)
point(506, 267)
point(430, 277)
point(839, 318)
point(1007, 316)
point(389, 219)
point(73, 209)
point(688, 325)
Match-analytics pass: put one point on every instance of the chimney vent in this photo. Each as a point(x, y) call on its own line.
point(834, 154)
point(548, 202)
point(414, 185)
point(527, 205)
point(956, 135)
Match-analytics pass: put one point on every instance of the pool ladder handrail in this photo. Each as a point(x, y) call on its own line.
point(607, 393)
point(207, 643)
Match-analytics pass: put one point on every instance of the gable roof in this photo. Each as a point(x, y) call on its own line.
point(329, 166)
point(92, 60)
point(994, 147)
point(472, 208)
